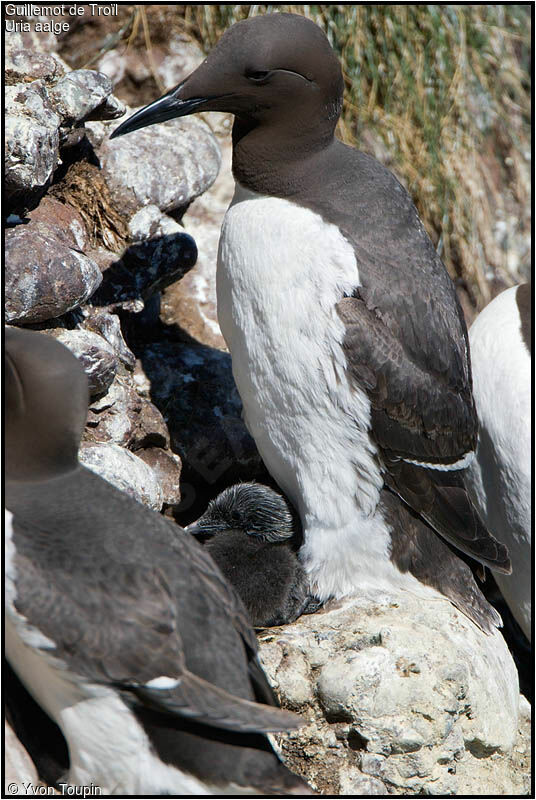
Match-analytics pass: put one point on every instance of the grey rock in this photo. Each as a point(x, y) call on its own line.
point(84, 93)
point(46, 275)
point(19, 768)
point(411, 687)
point(112, 108)
point(166, 165)
point(167, 469)
point(22, 64)
point(149, 222)
point(108, 326)
point(122, 417)
point(289, 667)
point(112, 417)
point(354, 784)
point(95, 354)
point(31, 143)
point(124, 470)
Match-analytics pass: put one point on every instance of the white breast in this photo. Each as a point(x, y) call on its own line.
point(281, 270)
point(499, 480)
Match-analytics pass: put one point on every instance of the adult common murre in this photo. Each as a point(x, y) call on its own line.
point(348, 343)
point(499, 479)
point(118, 623)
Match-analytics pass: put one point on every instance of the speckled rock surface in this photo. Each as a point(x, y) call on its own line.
point(24, 64)
point(401, 693)
point(42, 107)
point(83, 94)
point(95, 354)
point(62, 220)
point(122, 417)
point(165, 165)
point(108, 326)
point(31, 142)
point(167, 469)
point(124, 470)
point(45, 275)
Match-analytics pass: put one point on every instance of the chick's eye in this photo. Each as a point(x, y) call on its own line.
point(257, 75)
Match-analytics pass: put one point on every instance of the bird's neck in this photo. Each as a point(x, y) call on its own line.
point(278, 160)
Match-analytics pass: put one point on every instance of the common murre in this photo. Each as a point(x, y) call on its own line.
point(253, 536)
point(118, 623)
point(349, 347)
point(499, 480)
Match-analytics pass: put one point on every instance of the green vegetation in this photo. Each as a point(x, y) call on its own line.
point(441, 93)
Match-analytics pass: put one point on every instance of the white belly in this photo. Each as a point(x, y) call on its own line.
point(281, 270)
point(499, 480)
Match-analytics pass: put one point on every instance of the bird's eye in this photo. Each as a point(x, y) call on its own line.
point(257, 76)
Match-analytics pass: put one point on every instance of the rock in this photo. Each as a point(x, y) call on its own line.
point(193, 387)
point(46, 274)
point(172, 62)
point(84, 93)
point(42, 40)
point(122, 417)
point(108, 326)
point(123, 470)
point(61, 220)
point(191, 304)
point(112, 417)
point(149, 222)
point(167, 165)
point(167, 469)
point(31, 142)
point(410, 689)
point(95, 354)
point(353, 783)
point(24, 65)
point(19, 768)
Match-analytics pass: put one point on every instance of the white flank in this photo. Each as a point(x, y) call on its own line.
point(499, 481)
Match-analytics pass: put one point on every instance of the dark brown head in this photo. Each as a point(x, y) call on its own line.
point(46, 397)
point(276, 71)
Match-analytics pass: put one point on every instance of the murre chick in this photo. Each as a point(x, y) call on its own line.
point(499, 480)
point(348, 343)
point(253, 536)
point(118, 622)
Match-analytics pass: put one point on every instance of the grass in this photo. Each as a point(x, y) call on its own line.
point(442, 94)
point(439, 93)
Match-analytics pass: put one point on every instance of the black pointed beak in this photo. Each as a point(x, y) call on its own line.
point(195, 530)
point(169, 106)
